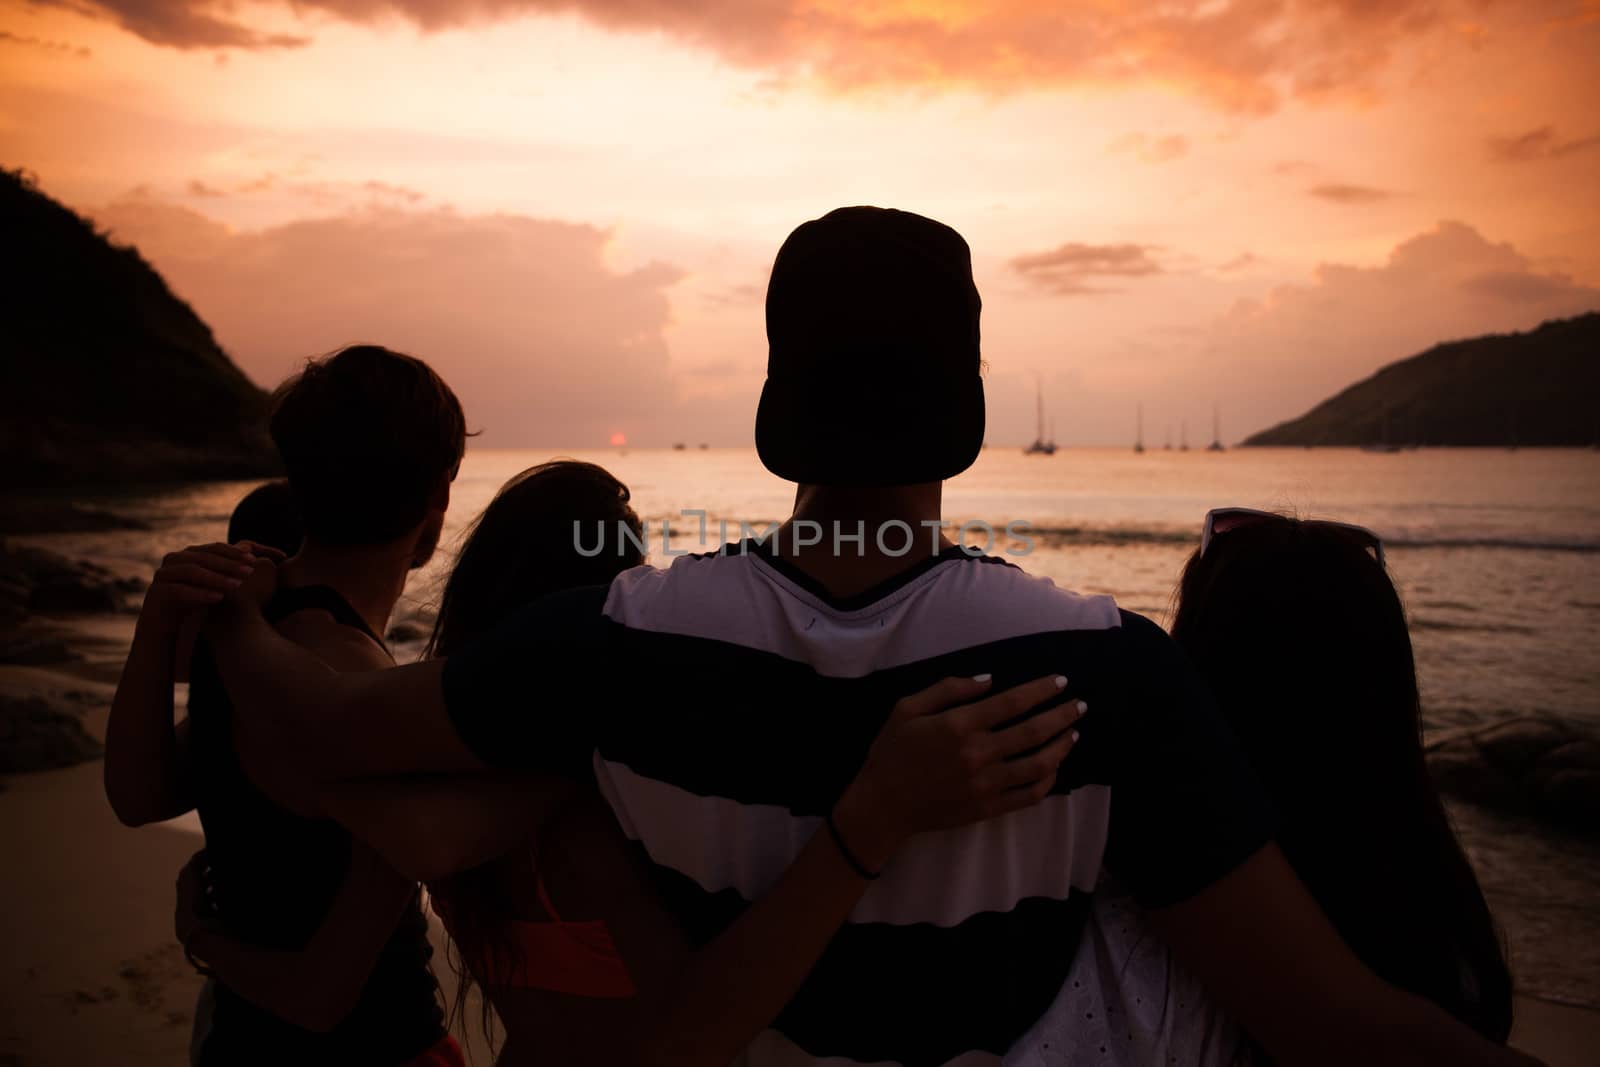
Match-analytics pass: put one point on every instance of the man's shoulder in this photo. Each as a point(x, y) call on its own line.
point(999, 604)
point(1009, 587)
point(992, 589)
point(1143, 634)
point(691, 582)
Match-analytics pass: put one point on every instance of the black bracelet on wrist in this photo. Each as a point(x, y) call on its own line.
point(844, 851)
point(200, 968)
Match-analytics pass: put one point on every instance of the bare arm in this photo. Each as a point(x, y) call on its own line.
point(926, 771)
point(1263, 949)
point(429, 828)
point(316, 987)
point(352, 725)
point(145, 778)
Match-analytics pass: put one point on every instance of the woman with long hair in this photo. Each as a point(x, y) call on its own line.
point(1301, 635)
point(521, 548)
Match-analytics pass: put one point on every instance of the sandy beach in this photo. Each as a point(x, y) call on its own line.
point(92, 974)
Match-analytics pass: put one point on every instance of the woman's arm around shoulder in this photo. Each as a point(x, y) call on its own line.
point(422, 718)
point(1264, 951)
point(318, 986)
point(145, 773)
point(933, 766)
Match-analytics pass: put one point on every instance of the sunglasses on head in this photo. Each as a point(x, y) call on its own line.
point(1220, 520)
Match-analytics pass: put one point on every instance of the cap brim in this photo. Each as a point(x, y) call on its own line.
point(848, 437)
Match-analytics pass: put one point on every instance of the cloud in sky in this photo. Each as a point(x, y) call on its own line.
point(29, 41)
point(180, 23)
point(550, 344)
point(1243, 56)
point(1151, 149)
point(322, 196)
point(1243, 261)
point(545, 342)
point(1300, 343)
point(1541, 143)
point(1075, 269)
point(1342, 193)
point(737, 295)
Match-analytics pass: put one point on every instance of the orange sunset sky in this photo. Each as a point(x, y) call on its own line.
point(570, 207)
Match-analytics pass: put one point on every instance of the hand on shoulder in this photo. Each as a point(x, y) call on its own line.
point(200, 576)
point(949, 755)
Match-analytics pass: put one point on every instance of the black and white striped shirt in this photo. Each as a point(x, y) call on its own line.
point(727, 700)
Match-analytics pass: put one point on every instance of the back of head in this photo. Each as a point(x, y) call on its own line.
point(873, 367)
point(559, 525)
point(268, 516)
point(1302, 637)
point(370, 438)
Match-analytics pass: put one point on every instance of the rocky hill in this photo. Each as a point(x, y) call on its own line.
point(106, 376)
point(1528, 389)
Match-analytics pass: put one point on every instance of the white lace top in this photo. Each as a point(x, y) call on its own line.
point(1127, 1004)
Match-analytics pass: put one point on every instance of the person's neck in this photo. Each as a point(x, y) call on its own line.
point(369, 577)
point(882, 516)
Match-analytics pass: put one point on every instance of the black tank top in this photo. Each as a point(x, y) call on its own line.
point(274, 875)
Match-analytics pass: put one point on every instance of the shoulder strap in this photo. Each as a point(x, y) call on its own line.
point(544, 897)
point(539, 887)
point(290, 599)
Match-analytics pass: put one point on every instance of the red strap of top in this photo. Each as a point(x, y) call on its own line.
point(576, 958)
point(544, 898)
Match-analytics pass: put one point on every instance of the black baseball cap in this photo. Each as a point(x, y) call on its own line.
point(873, 368)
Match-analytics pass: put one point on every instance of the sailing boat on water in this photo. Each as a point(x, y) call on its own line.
point(1138, 437)
point(1041, 446)
point(1216, 444)
point(1183, 436)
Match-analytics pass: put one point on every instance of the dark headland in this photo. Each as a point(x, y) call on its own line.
point(107, 377)
point(1535, 389)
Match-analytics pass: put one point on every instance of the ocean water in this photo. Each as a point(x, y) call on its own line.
point(1496, 554)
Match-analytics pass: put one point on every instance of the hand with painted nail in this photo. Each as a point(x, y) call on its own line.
point(195, 578)
point(955, 754)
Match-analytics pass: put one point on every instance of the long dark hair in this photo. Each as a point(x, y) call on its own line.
point(1301, 634)
point(524, 546)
